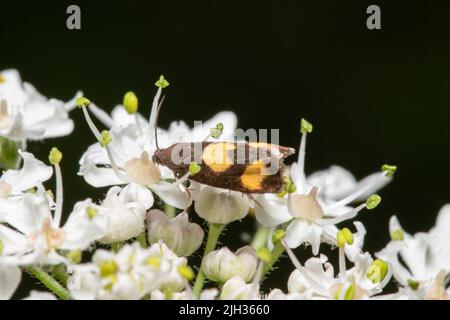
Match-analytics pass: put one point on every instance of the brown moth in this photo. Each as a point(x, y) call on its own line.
point(248, 167)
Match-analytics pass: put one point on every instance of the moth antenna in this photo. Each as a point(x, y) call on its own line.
point(156, 121)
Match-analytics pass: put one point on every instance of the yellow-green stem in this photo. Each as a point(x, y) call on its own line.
point(51, 283)
point(213, 236)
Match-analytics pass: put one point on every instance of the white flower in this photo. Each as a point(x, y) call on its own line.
point(222, 265)
point(317, 280)
point(131, 273)
point(131, 167)
point(425, 256)
point(10, 276)
point(124, 214)
point(33, 172)
point(236, 289)
point(127, 158)
point(221, 206)
point(181, 236)
point(33, 236)
point(337, 183)
point(313, 217)
point(26, 114)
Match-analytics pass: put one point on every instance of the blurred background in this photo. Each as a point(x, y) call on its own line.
point(374, 97)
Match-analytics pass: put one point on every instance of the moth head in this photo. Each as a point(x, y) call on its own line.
point(159, 156)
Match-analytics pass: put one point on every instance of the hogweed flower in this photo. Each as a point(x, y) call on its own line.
point(131, 273)
point(410, 257)
point(124, 216)
point(180, 235)
point(236, 289)
point(140, 173)
point(312, 217)
point(220, 206)
point(222, 265)
point(25, 114)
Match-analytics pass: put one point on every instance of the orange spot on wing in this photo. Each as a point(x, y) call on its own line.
point(216, 156)
point(253, 176)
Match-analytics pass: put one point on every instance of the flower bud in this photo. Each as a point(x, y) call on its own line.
point(82, 102)
point(162, 82)
point(181, 236)
point(130, 102)
point(236, 289)
point(344, 236)
point(373, 201)
point(278, 235)
point(125, 220)
point(377, 271)
point(388, 170)
point(186, 272)
point(105, 138)
point(194, 168)
point(217, 131)
point(55, 156)
point(222, 265)
point(221, 206)
point(305, 126)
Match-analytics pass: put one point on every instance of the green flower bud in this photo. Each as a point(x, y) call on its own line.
point(344, 237)
point(105, 138)
point(186, 272)
point(377, 271)
point(130, 102)
point(82, 102)
point(162, 82)
point(277, 236)
point(305, 126)
point(194, 168)
point(108, 268)
point(389, 170)
point(289, 187)
point(264, 254)
point(373, 201)
point(55, 156)
point(217, 131)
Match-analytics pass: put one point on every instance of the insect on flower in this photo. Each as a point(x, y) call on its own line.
point(248, 167)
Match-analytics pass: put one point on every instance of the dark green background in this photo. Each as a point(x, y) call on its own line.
point(374, 96)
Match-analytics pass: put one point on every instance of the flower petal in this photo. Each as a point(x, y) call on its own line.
point(33, 172)
point(271, 210)
point(9, 278)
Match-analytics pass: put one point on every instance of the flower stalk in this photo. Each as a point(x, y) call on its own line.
point(49, 282)
point(213, 236)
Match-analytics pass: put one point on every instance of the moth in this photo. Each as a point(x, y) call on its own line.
point(248, 167)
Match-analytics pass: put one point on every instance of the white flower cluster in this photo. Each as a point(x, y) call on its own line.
point(138, 241)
